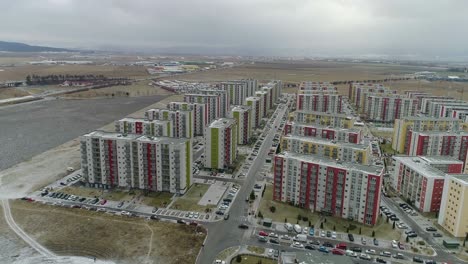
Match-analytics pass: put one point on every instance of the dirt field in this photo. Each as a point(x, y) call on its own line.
point(20, 72)
point(6, 93)
point(299, 71)
point(79, 232)
point(137, 89)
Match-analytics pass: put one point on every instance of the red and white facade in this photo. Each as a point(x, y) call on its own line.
point(320, 102)
point(212, 105)
point(264, 102)
point(421, 179)
point(256, 110)
point(318, 87)
point(155, 128)
point(437, 143)
point(388, 108)
point(199, 111)
point(358, 93)
point(345, 190)
point(352, 135)
point(111, 160)
point(182, 126)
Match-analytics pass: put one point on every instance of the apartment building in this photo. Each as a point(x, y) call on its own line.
point(347, 135)
point(321, 118)
point(347, 152)
point(404, 125)
point(437, 143)
point(427, 96)
point(324, 87)
point(358, 93)
point(224, 100)
point(256, 110)
point(421, 179)
point(277, 86)
point(162, 164)
point(270, 96)
point(182, 120)
point(453, 215)
point(242, 115)
point(221, 144)
point(346, 190)
point(432, 106)
point(319, 102)
point(154, 128)
point(386, 109)
point(200, 112)
point(239, 90)
point(264, 102)
point(212, 102)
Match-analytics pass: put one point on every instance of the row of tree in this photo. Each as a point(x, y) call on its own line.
point(60, 78)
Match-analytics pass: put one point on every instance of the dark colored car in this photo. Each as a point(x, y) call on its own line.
point(243, 226)
point(274, 241)
point(309, 247)
point(328, 244)
point(356, 249)
point(351, 237)
point(436, 235)
point(418, 260)
point(379, 260)
point(431, 229)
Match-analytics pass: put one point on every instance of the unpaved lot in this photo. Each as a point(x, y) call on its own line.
point(78, 232)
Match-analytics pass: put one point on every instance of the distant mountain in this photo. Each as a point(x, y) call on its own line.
point(21, 47)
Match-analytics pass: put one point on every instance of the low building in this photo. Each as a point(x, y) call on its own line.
point(421, 179)
point(324, 119)
point(155, 128)
point(453, 215)
point(347, 190)
point(221, 144)
point(348, 135)
point(161, 164)
point(242, 115)
point(348, 152)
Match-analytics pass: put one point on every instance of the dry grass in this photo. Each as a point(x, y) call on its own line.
point(248, 259)
point(284, 210)
point(189, 202)
point(20, 72)
point(256, 250)
point(84, 233)
point(6, 93)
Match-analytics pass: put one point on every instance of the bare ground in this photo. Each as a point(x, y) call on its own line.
point(6, 93)
point(78, 232)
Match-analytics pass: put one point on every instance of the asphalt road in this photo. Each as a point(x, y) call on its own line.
point(32, 128)
point(225, 234)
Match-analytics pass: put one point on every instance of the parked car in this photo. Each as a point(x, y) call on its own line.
point(323, 249)
point(309, 247)
point(398, 256)
point(385, 254)
point(262, 233)
point(356, 249)
point(243, 226)
point(418, 259)
point(351, 237)
point(431, 229)
point(328, 244)
point(380, 260)
point(376, 242)
point(337, 251)
point(274, 241)
point(436, 235)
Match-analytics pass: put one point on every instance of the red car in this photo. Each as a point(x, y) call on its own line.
point(103, 202)
point(262, 233)
point(337, 251)
point(342, 246)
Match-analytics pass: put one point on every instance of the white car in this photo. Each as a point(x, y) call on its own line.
point(364, 256)
point(394, 244)
point(285, 237)
point(297, 245)
point(351, 253)
point(305, 230)
point(323, 234)
point(333, 235)
point(371, 251)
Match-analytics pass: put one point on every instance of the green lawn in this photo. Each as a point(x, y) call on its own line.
point(387, 148)
point(247, 259)
point(382, 229)
point(157, 199)
point(284, 210)
point(189, 202)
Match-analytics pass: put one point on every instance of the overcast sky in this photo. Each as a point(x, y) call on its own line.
point(262, 27)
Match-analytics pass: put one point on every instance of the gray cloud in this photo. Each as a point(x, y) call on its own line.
point(283, 27)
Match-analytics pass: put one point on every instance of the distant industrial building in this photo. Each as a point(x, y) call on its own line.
point(341, 189)
point(158, 164)
point(421, 179)
point(221, 144)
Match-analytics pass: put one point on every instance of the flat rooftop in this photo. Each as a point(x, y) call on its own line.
point(322, 113)
point(443, 133)
point(241, 108)
point(140, 138)
point(292, 123)
point(369, 169)
point(222, 122)
point(255, 98)
point(423, 164)
point(462, 178)
point(429, 118)
point(328, 142)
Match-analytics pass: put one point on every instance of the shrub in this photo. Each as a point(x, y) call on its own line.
point(305, 218)
point(272, 209)
point(421, 243)
point(238, 259)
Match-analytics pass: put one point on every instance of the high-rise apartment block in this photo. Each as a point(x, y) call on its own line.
point(221, 144)
point(200, 112)
point(348, 135)
point(182, 120)
point(154, 128)
point(242, 115)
